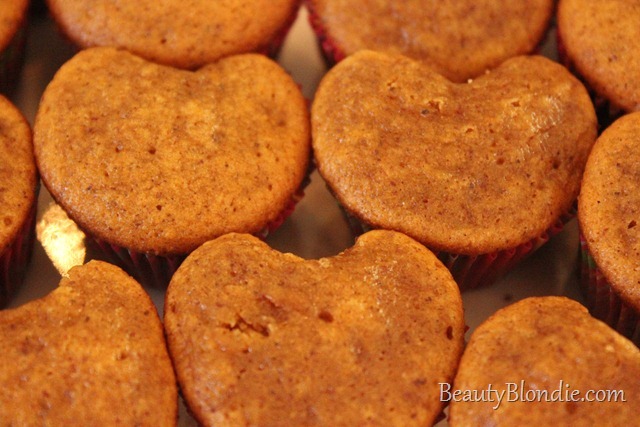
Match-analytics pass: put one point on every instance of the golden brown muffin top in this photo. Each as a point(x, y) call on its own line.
point(467, 168)
point(609, 206)
point(550, 343)
point(459, 39)
point(601, 40)
point(91, 352)
point(264, 338)
point(12, 15)
point(18, 177)
point(181, 33)
point(161, 160)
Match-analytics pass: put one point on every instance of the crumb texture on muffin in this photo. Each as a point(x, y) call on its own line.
point(548, 343)
point(467, 168)
point(181, 33)
point(92, 351)
point(264, 338)
point(460, 39)
point(609, 207)
point(18, 176)
point(161, 160)
point(600, 39)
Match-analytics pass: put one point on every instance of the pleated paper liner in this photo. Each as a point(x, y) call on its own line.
point(474, 271)
point(148, 269)
point(331, 53)
point(14, 260)
point(602, 301)
point(155, 271)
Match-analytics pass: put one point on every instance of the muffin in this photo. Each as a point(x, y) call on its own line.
point(18, 198)
point(185, 34)
point(597, 41)
point(482, 173)
point(609, 212)
point(459, 39)
point(189, 157)
point(259, 337)
point(552, 363)
point(13, 29)
point(91, 352)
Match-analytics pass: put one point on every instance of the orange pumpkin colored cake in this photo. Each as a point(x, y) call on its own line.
point(18, 198)
point(609, 216)
point(155, 161)
point(483, 171)
point(92, 352)
point(180, 33)
point(259, 337)
point(459, 39)
point(598, 40)
point(547, 362)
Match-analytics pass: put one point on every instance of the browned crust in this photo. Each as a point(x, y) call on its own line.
point(18, 176)
point(465, 168)
point(164, 162)
point(264, 338)
point(92, 351)
point(543, 341)
point(182, 33)
point(609, 207)
point(459, 39)
point(600, 38)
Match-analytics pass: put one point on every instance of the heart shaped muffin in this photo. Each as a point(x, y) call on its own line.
point(264, 338)
point(184, 34)
point(598, 39)
point(555, 364)
point(460, 39)
point(18, 197)
point(609, 216)
point(158, 160)
point(478, 168)
point(91, 352)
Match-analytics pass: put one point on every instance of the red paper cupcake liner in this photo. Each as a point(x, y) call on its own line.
point(148, 269)
point(11, 61)
point(473, 271)
point(155, 271)
point(286, 212)
point(606, 112)
point(328, 47)
point(14, 261)
point(602, 301)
